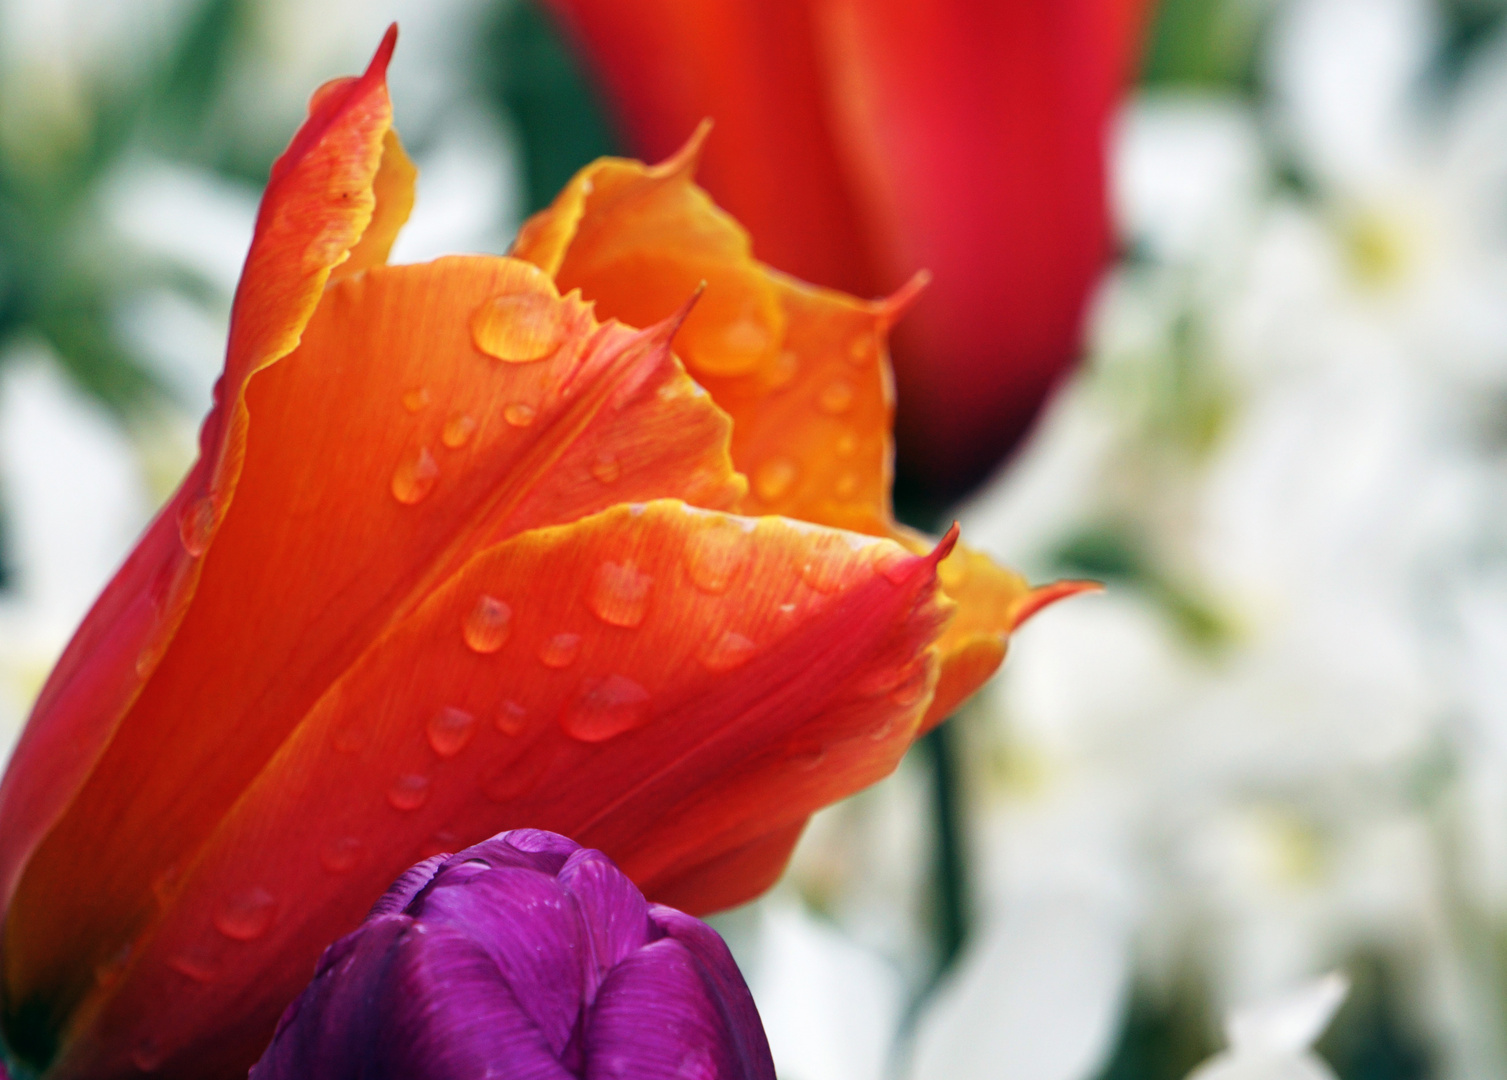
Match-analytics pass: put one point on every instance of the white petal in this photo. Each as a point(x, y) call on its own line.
point(1291, 1023)
point(1038, 997)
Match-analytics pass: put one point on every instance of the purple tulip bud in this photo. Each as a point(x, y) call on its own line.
point(528, 957)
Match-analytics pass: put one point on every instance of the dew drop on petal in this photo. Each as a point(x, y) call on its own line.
point(896, 567)
point(619, 594)
point(810, 759)
point(911, 689)
point(415, 400)
point(784, 369)
point(519, 414)
point(846, 485)
point(246, 916)
point(836, 398)
point(604, 708)
point(449, 730)
point(518, 328)
point(714, 556)
point(196, 524)
point(560, 651)
point(340, 855)
point(516, 777)
point(458, 430)
point(511, 718)
point(861, 351)
point(847, 444)
point(196, 968)
point(824, 572)
point(606, 467)
point(415, 477)
point(408, 792)
point(730, 650)
point(773, 478)
point(147, 1055)
point(487, 627)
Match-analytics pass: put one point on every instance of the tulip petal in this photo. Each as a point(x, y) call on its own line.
point(393, 189)
point(317, 205)
point(607, 396)
point(614, 912)
point(443, 1012)
point(802, 371)
point(657, 1019)
point(716, 966)
point(745, 672)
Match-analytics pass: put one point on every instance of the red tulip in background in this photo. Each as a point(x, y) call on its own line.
point(463, 554)
point(860, 140)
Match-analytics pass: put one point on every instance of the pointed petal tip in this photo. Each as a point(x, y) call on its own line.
point(946, 544)
point(893, 307)
point(1047, 595)
point(688, 156)
point(383, 55)
point(664, 331)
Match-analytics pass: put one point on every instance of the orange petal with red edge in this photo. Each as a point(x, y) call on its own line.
point(737, 673)
point(316, 206)
point(802, 371)
point(382, 455)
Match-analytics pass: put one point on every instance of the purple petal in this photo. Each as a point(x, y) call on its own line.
point(659, 1015)
point(396, 898)
point(614, 912)
point(720, 970)
point(330, 1028)
point(532, 930)
point(450, 1016)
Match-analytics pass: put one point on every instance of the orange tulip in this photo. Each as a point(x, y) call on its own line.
point(860, 139)
point(463, 554)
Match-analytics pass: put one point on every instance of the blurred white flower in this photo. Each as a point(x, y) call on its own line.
point(1272, 1041)
point(74, 503)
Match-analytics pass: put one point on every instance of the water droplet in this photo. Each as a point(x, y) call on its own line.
point(605, 708)
point(408, 792)
point(196, 524)
point(449, 730)
point(825, 572)
point(847, 444)
point(487, 627)
point(340, 855)
point(246, 916)
point(458, 431)
point(882, 731)
point(619, 594)
point(894, 566)
point(773, 478)
point(861, 351)
point(109, 972)
point(415, 477)
point(715, 554)
point(606, 468)
point(519, 414)
point(911, 688)
point(196, 968)
point(836, 398)
point(810, 758)
point(148, 1055)
point(519, 327)
point(846, 485)
point(727, 652)
point(416, 399)
point(165, 885)
point(784, 369)
point(560, 651)
point(516, 777)
point(511, 718)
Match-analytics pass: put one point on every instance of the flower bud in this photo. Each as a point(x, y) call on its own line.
point(524, 956)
